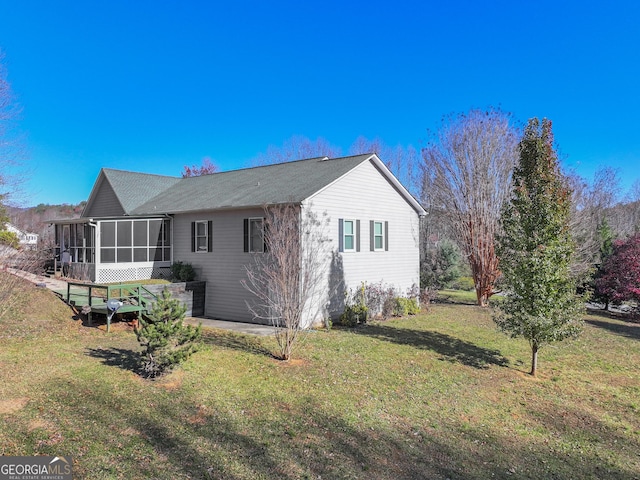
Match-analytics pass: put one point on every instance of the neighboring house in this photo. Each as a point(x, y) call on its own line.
point(136, 225)
point(27, 240)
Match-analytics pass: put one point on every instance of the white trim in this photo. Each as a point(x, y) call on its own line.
point(373, 234)
point(352, 235)
point(206, 236)
point(251, 249)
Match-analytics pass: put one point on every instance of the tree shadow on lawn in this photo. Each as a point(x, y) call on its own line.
point(244, 343)
point(450, 348)
point(617, 327)
point(118, 357)
point(180, 436)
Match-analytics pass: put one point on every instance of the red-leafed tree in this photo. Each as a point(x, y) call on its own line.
point(619, 276)
point(207, 168)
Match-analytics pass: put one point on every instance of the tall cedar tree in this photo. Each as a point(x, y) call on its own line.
point(535, 248)
point(167, 340)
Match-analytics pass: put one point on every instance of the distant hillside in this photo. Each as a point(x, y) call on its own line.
point(36, 219)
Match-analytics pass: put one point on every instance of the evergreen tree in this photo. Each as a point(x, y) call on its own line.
point(167, 340)
point(535, 248)
point(440, 265)
point(606, 249)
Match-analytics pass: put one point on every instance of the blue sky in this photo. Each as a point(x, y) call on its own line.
point(153, 86)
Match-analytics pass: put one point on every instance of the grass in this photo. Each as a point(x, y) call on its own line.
point(439, 395)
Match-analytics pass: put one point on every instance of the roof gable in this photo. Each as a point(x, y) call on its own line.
point(118, 192)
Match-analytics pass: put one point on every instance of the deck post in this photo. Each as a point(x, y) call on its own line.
point(89, 319)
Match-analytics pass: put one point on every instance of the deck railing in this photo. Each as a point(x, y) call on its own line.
point(94, 297)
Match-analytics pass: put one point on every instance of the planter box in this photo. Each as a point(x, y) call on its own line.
point(190, 293)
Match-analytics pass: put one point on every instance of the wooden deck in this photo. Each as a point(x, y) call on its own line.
point(92, 298)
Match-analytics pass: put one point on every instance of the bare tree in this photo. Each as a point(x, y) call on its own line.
point(10, 154)
point(469, 163)
point(403, 162)
point(207, 168)
point(286, 277)
point(591, 205)
point(297, 148)
point(11, 150)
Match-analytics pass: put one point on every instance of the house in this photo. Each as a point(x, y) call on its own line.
point(135, 225)
point(26, 240)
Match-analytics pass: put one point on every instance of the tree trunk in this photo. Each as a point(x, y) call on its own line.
point(534, 360)
point(483, 298)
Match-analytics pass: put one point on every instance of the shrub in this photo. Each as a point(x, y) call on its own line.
point(355, 310)
point(378, 298)
point(9, 238)
point(405, 306)
point(464, 283)
point(167, 340)
point(183, 272)
point(354, 314)
point(380, 301)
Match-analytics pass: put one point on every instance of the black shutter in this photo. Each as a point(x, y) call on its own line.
point(210, 236)
point(265, 234)
point(246, 234)
point(386, 236)
point(340, 235)
point(193, 236)
point(372, 235)
point(357, 235)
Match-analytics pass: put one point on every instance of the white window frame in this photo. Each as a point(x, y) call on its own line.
point(205, 236)
point(381, 236)
point(352, 235)
point(252, 248)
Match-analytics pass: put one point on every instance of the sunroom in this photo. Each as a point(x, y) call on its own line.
point(109, 250)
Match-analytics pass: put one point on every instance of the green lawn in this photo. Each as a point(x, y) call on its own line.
point(440, 395)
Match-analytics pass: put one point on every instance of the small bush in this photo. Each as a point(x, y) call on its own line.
point(405, 306)
point(183, 272)
point(354, 314)
point(379, 299)
point(355, 310)
point(464, 283)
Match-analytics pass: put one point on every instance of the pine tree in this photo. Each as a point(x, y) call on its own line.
point(167, 340)
point(535, 248)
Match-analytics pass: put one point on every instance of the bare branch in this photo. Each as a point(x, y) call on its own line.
point(467, 174)
point(285, 279)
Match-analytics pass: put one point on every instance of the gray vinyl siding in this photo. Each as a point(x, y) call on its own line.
point(104, 203)
point(364, 194)
point(223, 267)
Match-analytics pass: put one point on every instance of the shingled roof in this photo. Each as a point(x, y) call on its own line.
point(144, 194)
point(133, 188)
point(250, 187)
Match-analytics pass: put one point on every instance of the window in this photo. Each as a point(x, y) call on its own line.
point(108, 242)
point(201, 236)
point(349, 235)
point(254, 235)
point(379, 232)
point(125, 241)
